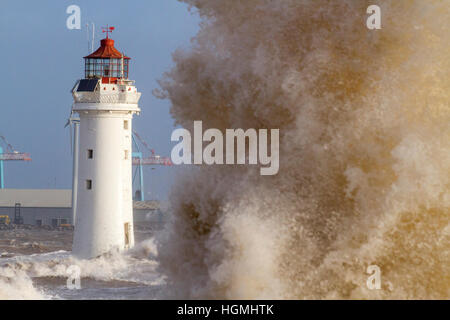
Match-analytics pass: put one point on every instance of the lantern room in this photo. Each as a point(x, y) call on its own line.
point(106, 63)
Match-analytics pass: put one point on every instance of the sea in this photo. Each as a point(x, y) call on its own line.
point(36, 263)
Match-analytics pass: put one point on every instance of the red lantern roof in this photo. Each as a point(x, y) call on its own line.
point(106, 51)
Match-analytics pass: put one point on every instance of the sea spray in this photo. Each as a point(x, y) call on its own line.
point(44, 276)
point(364, 173)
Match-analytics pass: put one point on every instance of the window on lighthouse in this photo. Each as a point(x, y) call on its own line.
point(90, 154)
point(98, 67)
point(106, 67)
point(89, 184)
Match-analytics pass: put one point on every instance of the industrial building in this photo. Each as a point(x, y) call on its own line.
point(53, 207)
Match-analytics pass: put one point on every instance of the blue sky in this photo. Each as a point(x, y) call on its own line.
point(42, 59)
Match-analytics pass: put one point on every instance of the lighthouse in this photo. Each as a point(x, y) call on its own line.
point(105, 101)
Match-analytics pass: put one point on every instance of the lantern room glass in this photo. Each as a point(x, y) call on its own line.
point(110, 68)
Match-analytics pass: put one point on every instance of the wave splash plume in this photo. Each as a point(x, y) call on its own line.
point(364, 151)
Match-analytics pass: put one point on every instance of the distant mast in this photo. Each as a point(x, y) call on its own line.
point(93, 37)
point(90, 39)
point(106, 101)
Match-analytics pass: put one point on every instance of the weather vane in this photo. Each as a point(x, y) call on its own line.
point(107, 30)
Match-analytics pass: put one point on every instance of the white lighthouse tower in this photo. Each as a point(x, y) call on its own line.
point(106, 101)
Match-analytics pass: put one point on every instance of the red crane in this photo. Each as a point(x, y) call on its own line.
point(153, 159)
point(139, 160)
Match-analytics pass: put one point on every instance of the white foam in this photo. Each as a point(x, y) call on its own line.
point(135, 266)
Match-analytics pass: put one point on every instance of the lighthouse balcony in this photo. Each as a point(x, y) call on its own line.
point(90, 91)
point(100, 97)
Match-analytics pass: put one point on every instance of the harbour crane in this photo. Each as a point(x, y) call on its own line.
point(139, 161)
point(9, 155)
